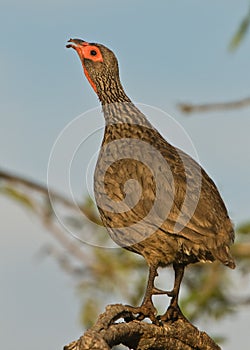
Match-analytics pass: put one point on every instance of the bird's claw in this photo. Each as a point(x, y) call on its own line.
point(172, 314)
point(146, 310)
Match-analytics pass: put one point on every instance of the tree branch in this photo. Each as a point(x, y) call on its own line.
point(49, 194)
point(138, 335)
point(210, 107)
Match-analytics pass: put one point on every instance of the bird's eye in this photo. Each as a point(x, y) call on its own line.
point(93, 52)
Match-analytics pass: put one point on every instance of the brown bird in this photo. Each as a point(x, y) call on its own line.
point(154, 199)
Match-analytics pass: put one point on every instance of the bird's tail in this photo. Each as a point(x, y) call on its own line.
point(223, 254)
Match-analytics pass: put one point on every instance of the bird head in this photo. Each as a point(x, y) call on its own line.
point(99, 63)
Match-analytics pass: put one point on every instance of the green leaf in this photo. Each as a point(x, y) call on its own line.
point(240, 33)
point(18, 196)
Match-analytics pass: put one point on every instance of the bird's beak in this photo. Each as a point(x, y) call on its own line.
point(78, 45)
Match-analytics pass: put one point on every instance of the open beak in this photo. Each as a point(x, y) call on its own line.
point(74, 43)
point(78, 45)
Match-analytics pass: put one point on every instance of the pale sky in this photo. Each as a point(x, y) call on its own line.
point(169, 52)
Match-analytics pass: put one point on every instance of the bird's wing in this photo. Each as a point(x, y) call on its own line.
point(198, 209)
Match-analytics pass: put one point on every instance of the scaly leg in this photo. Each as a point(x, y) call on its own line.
point(173, 310)
point(147, 308)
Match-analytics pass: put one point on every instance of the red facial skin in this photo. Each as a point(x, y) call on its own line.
point(86, 51)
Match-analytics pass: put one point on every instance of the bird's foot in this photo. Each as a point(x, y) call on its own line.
point(172, 314)
point(146, 310)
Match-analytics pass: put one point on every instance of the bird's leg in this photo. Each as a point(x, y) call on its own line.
point(173, 310)
point(147, 302)
point(147, 308)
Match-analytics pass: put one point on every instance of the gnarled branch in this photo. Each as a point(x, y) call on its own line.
point(139, 335)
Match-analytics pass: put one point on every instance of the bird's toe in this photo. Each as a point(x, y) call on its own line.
point(172, 314)
point(146, 310)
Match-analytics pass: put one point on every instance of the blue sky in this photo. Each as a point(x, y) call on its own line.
point(169, 52)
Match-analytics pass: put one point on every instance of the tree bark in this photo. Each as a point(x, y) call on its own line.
point(118, 326)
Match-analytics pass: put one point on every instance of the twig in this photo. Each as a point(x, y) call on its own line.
point(31, 185)
point(210, 107)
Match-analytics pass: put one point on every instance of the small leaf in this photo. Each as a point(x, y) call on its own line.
point(240, 33)
point(18, 196)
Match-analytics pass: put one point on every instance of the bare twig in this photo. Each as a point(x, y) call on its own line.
point(210, 107)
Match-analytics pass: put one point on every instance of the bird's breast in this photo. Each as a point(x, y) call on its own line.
point(134, 188)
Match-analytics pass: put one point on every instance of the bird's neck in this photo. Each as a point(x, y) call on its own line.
point(110, 90)
point(117, 106)
point(124, 113)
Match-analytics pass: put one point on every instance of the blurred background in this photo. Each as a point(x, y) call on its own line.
point(170, 54)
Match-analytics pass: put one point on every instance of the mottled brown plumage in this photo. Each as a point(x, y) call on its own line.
point(154, 199)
